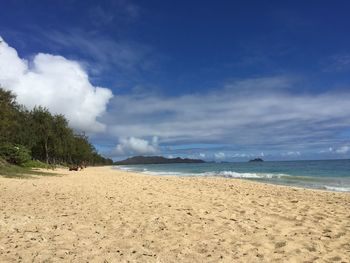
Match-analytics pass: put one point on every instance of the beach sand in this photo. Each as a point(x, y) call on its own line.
point(105, 215)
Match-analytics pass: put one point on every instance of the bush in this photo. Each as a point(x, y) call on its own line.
point(14, 153)
point(2, 162)
point(36, 164)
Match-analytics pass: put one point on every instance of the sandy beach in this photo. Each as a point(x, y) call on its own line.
point(105, 215)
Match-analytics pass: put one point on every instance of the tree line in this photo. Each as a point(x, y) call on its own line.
point(42, 136)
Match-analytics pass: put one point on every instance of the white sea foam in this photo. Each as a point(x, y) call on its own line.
point(227, 174)
point(123, 168)
point(275, 178)
point(232, 174)
point(337, 188)
point(170, 173)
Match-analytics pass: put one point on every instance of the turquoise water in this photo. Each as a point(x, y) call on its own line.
point(331, 175)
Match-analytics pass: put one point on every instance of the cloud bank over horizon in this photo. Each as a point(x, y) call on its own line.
point(259, 113)
point(136, 146)
point(57, 83)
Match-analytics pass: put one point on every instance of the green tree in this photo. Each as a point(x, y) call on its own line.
point(62, 138)
point(15, 154)
point(48, 137)
point(8, 115)
point(41, 120)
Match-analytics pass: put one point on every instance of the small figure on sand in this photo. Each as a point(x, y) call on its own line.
point(74, 168)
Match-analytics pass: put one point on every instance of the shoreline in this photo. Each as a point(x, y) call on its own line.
point(231, 178)
point(104, 214)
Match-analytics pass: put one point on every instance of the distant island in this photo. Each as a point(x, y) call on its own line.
point(156, 160)
point(256, 160)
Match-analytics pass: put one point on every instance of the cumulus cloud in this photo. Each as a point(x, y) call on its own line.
point(219, 156)
point(202, 155)
point(343, 149)
point(133, 145)
point(243, 155)
point(337, 150)
point(57, 83)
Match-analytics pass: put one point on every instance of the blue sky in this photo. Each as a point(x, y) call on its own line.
point(225, 81)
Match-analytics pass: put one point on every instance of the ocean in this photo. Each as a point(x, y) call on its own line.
point(333, 175)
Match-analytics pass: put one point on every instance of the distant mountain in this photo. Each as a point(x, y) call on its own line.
point(156, 160)
point(256, 160)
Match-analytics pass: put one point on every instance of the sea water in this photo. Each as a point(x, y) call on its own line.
point(333, 175)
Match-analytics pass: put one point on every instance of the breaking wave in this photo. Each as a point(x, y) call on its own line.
point(232, 174)
point(337, 188)
point(226, 174)
point(326, 183)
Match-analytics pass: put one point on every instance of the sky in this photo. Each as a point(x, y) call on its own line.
point(220, 81)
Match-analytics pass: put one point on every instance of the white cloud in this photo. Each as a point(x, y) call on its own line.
point(252, 112)
point(132, 146)
point(243, 155)
point(343, 149)
point(219, 156)
point(59, 84)
point(291, 153)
